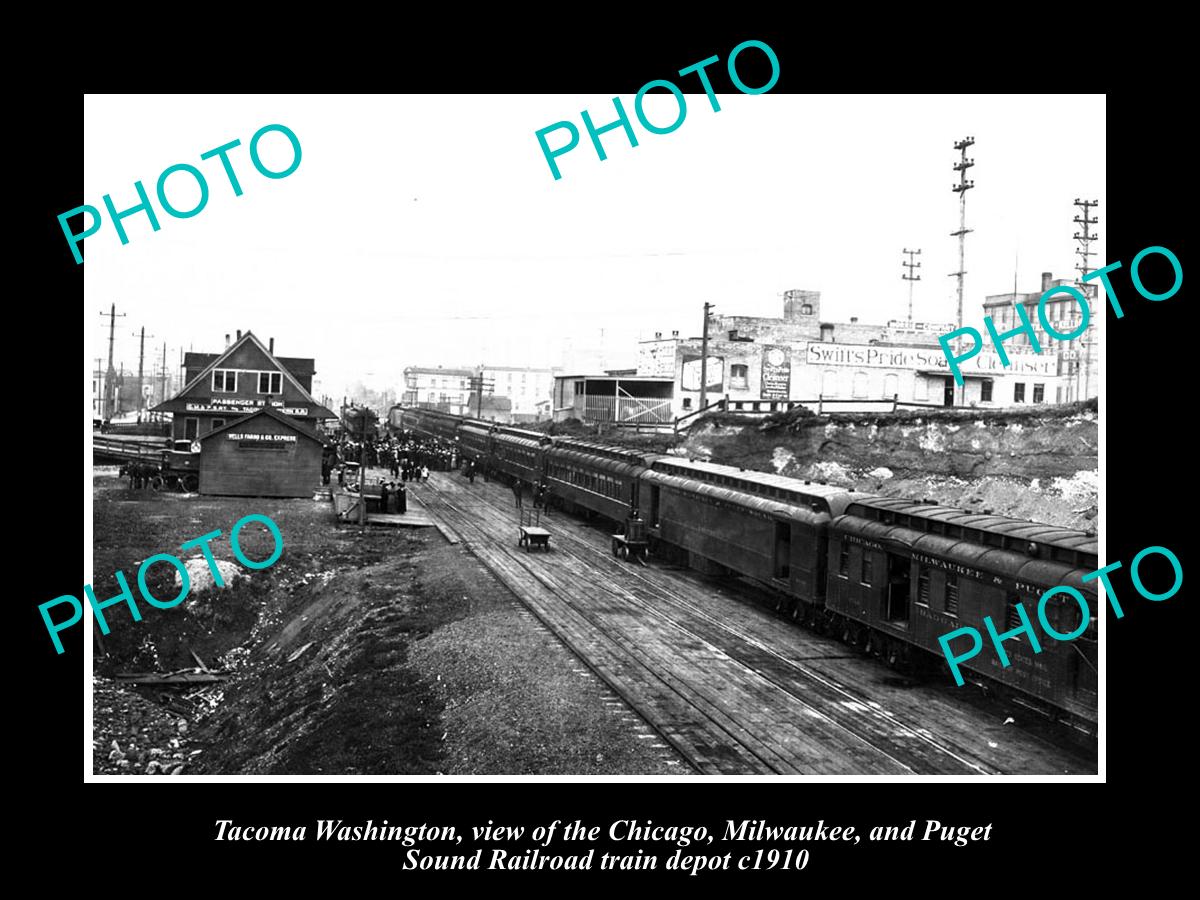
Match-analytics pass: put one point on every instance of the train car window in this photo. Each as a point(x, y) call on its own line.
point(951, 604)
point(844, 561)
point(923, 586)
point(936, 528)
point(1012, 618)
point(866, 567)
point(954, 531)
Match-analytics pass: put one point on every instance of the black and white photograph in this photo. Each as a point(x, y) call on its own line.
point(694, 433)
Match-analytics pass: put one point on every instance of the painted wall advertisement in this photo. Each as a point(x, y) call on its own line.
point(691, 373)
point(776, 373)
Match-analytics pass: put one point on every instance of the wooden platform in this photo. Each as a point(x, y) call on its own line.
point(345, 504)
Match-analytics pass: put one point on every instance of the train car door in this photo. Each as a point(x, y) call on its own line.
point(783, 549)
point(633, 495)
point(896, 599)
point(654, 489)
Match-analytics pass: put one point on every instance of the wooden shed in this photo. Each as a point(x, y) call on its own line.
point(264, 454)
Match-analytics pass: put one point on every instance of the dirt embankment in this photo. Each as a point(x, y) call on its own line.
point(385, 651)
point(1038, 465)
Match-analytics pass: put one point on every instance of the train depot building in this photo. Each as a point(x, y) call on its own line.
point(260, 415)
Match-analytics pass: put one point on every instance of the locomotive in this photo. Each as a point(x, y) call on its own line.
point(884, 574)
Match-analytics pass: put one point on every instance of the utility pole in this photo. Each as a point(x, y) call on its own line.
point(704, 359)
point(910, 277)
point(163, 388)
point(109, 380)
point(141, 367)
point(478, 383)
point(1084, 252)
point(964, 185)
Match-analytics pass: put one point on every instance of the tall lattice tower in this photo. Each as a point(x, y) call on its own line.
point(1085, 252)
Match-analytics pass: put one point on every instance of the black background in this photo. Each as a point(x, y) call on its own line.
point(1146, 408)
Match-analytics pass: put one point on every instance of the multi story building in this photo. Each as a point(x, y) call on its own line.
point(449, 389)
point(436, 387)
point(1078, 359)
point(799, 357)
point(246, 377)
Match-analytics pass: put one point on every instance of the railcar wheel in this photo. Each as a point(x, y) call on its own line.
point(191, 483)
point(623, 552)
point(156, 483)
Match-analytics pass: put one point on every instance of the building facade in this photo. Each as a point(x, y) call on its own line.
point(263, 454)
point(527, 390)
point(246, 377)
point(799, 358)
point(1078, 359)
point(448, 390)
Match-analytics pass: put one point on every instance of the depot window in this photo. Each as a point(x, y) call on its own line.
point(739, 377)
point(1019, 392)
point(985, 390)
point(272, 383)
point(1039, 393)
point(224, 380)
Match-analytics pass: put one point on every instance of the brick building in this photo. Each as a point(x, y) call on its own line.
point(799, 357)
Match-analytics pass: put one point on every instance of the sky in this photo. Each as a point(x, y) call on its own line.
point(427, 230)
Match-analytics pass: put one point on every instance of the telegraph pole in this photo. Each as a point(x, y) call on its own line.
point(163, 389)
point(109, 379)
point(141, 366)
point(1084, 252)
point(910, 277)
point(478, 383)
point(964, 185)
point(704, 359)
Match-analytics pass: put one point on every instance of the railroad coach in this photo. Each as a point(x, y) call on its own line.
point(520, 458)
point(908, 572)
point(428, 422)
point(768, 527)
point(595, 477)
point(475, 439)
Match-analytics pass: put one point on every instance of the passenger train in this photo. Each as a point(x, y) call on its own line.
point(884, 574)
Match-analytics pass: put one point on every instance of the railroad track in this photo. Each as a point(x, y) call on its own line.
point(713, 676)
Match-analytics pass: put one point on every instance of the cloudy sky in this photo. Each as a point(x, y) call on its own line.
point(429, 230)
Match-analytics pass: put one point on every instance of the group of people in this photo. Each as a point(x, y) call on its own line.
point(139, 474)
point(404, 454)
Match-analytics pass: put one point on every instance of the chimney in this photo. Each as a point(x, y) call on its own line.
point(1047, 277)
point(658, 335)
point(271, 346)
point(854, 320)
point(226, 341)
point(239, 334)
point(675, 333)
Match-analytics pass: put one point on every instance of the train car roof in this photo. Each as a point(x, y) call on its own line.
point(1050, 535)
point(814, 489)
point(608, 451)
point(592, 460)
point(769, 505)
point(976, 559)
point(520, 441)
